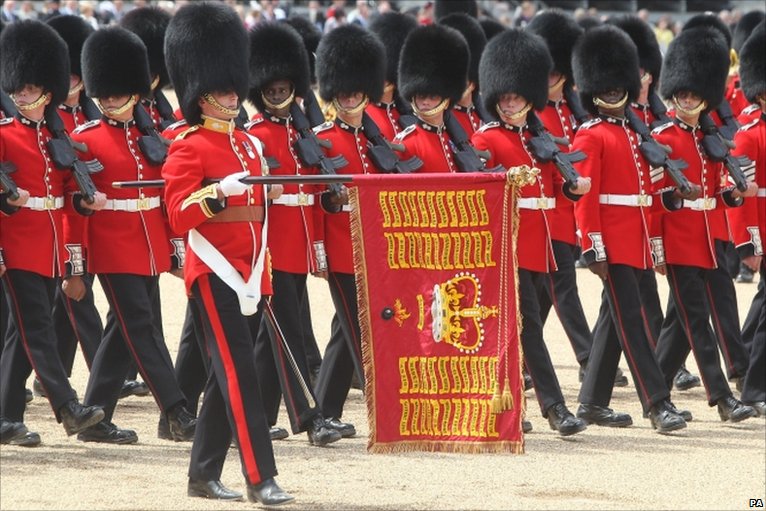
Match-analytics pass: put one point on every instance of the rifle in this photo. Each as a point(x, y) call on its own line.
point(730, 124)
point(479, 106)
point(381, 151)
point(152, 144)
point(718, 149)
point(164, 109)
point(467, 158)
point(657, 154)
point(7, 106)
point(6, 182)
point(89, 108)
point(573, 100)
point(62, 151)
point(406, 115)
point(250, 180)
point(545, 147)
point(658, 109)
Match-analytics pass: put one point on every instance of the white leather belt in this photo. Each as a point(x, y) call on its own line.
point(294, 199)
point(346, 208)
point(537, 203)
point(44, 203)
point(132, 205)
point(625, 200)
point(703, 204)
point(761, 192)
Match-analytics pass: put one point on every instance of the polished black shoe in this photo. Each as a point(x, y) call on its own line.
point(745, 275)
point(664, 419)
point(163, 429)
point(686, 414)
point(526, 426)
point(603, 416)
point(528, 383)
point(277, 433)
point(620, 380)
point(181, 423)
point(345, 429)
point(211, 490)
point(28, 395)
point(107, 433)
point(134, 388)
point(759, 407)
point(268, 493)
point(76, 417)
point(732, 409)
point(684, 380)
point(562, 420)
point(320, 434)
point(16, 433)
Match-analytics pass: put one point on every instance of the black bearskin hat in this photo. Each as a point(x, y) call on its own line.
point(605, 59)
point(444, 7)
point(649, 55)
point(474, 36)
point(709, 20)
point(206, 50)
point(434, 61)
point(351, 59)
point(33, 53)
point(560, 32)
point(491, 27)
point(74, 30)
point(311, 36)
point(392, 28)
point(697, 60)
point(515, 61)
point(150, 24)
point(752, 63)
point(114, 63)
point(745, 27)
point(277, 53)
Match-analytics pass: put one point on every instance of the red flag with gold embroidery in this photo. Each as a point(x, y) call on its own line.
point(436, 282)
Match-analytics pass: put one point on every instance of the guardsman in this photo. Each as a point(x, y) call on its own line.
point(693, 78)
point(207, 53)
point(129, 243)
point(614, 219)
point(34, 70)
point(514, 76)
point(279, 76)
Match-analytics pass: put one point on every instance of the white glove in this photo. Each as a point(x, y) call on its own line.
point(231, 184)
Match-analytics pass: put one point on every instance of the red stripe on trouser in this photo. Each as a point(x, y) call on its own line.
point(232, 382)
point(73, 324)
point(356, 342)
point(719, 331)
point(625, 343)
point(128, 342)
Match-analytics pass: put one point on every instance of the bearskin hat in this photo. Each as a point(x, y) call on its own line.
point(649, 55)
point(474, 36)
point(392, 28)
point(277, 53)
point(752, 63)
point(351, 59)
point(33, 53)
point(114, 63)
point(434, 61)
point(206, 50)
point(491, 27)
point(311, 36)
point(74, 30)
point(588, 22)
point(444, 7)
point(515, 61)
point(745, 27)
point(709, 20)
point(560, 32)
point(697, 60)
point(150, 24)
point(605, 59)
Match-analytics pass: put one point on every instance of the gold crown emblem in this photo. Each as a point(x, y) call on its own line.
point(458, 314)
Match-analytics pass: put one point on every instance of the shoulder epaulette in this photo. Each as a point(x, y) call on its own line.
point(750, 109)
point(252, 123)
point(323, 127)
point(177, 125)
point(406, 131)
point(88, 125)
point(185, 132)
point(660, 129)
point(6, 120)
point(750, 124)
point(488, 126)
point(590, 123)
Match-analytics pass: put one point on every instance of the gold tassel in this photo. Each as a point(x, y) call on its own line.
point(507, 396)
point(497, 399)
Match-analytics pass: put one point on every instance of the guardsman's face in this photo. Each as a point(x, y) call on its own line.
point(426, 102)
point(277, 91)
point(350, 100)
point(611, 96)
point(28, 94)
point(646, 80)
point(511, 103)
point(553, 78)
point(688, 100)
point(112, 104)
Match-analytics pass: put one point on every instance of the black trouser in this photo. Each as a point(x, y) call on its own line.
point(621, 327)
point(283, 368)
point(192, 359)
point(77, 323)
point(232, 401)
point(561, 293)
point(30, 344)
point(758, 305)
point(313, 355)
point(536, 356)
point(754, 386)
point(343, 354)
point(133, 332)
point(688, 287)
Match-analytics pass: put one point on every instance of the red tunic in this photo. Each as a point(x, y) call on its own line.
point(429, 143)
point(748, 223)
point(386, 116)
point(507, 145)
point(643, 112)
point(468, 118)
point(749, 114)
point(735, 96)
point(121, 241)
